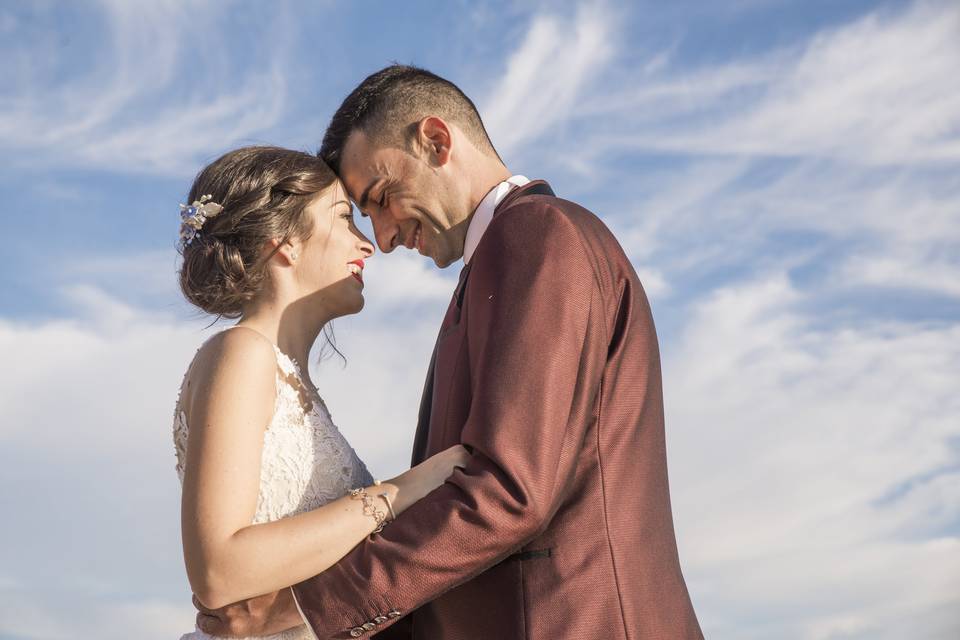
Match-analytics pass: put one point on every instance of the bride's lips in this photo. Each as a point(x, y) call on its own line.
point(358, 271)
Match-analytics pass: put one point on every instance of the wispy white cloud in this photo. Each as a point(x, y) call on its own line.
point(904, 271)
point(90, 355)
point(876, 91)
point(546, 74)
point(134, 112)
point(404, 277)
point(153, 273)
point(39, 617)
point(86, 438)
point(834, 515)
point(897, 227)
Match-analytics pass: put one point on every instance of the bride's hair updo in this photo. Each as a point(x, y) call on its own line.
point(263, 191)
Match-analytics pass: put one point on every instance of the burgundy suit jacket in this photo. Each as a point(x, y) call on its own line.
point(547, 369)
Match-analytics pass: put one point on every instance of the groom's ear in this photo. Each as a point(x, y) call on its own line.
point(435, 139)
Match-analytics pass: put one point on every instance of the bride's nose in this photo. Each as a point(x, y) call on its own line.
point(365, 246)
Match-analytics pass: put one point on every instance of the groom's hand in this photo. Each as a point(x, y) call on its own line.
point(260, 616)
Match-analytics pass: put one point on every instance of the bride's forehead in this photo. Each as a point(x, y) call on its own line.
point(337, 191)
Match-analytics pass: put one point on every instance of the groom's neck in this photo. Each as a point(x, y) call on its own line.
point(484, 179)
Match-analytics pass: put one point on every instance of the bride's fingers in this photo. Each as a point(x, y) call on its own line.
point(463, 458)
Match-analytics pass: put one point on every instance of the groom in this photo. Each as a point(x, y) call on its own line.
point(546, 368)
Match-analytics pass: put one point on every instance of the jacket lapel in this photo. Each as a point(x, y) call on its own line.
point(426, 400)
point(423, 419)
point(535, 187)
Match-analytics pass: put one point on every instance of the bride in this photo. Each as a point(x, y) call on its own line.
point(272, 492)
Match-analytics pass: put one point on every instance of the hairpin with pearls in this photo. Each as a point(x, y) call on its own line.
point(193, 216)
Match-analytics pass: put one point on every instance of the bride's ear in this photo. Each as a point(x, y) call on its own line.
point(285, 253)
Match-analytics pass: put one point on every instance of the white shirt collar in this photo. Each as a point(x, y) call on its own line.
point(484, 213)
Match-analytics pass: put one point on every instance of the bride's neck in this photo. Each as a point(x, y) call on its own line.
point(292, 327)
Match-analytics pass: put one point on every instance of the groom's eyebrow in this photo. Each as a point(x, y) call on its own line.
point(362, 202)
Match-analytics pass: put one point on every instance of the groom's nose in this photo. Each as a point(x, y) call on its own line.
point(386, 232)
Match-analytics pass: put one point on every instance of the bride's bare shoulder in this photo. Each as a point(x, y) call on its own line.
point(236, 356)
point(235, 346)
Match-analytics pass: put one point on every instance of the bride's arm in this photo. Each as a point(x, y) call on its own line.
point(227, 558)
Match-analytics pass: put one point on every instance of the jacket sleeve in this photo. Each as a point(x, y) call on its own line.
point(536, 357)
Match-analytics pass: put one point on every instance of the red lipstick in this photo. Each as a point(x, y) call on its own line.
point(357, 274)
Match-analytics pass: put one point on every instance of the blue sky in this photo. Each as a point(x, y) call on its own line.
point(784, 176)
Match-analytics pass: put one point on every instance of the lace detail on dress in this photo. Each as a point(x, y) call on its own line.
point(306, 461)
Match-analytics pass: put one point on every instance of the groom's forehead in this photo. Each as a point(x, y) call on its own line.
point(357, 166)
point(364, 164)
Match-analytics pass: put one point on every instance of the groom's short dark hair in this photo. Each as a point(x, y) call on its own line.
point(388, 104)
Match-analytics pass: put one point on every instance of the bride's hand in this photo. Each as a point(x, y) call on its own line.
point(417, 482)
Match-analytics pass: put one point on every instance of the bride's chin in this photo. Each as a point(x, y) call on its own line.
point(357, 305)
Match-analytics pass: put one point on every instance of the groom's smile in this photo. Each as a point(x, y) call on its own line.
point(414, 241)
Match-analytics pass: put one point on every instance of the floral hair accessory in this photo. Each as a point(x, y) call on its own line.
point(193, 216)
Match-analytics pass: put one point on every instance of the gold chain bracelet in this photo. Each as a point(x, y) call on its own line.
point(386, 498)
point(369, 509)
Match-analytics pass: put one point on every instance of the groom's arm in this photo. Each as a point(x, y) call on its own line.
point(535, 361)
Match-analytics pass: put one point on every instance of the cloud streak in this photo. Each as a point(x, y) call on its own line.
point(546, 74)
point(878, 91)
point(847, 468)
point(159, 106)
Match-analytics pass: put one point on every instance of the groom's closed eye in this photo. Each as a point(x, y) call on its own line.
point(379, 200)
point(365, 196)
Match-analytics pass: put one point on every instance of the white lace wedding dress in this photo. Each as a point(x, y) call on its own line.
point(306, 461)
